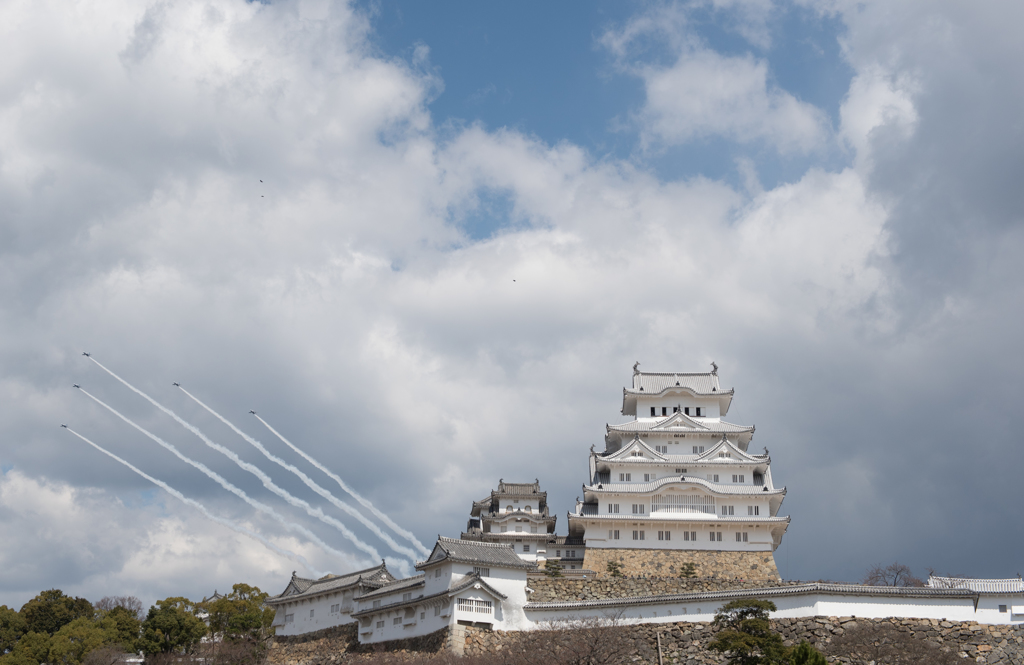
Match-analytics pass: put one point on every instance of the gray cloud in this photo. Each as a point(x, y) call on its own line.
point(867, 317)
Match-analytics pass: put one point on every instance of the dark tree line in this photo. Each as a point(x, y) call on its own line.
point(57, 629)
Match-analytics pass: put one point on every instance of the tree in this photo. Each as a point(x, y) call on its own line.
point(75, 640)
point(614, 568)
point(130, 603)
point(895, 574)
point(805, 654)
point(171, 626)
point(127, 626)
point(31, 649)
point(747, 635)
point(688, 569)
point(51, 610)
point(572, 641)
point(552, 568)
point(12, 627)
point(243, 622)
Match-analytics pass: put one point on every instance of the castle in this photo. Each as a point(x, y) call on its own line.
point(675, 493)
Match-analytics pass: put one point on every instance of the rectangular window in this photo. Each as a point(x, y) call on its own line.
point(289, 618)
point(1002, 608)
point(647, 477)
point(641, 535)
point(311, 614)
point(742, 480)
point(406, 596)
point(744, 536)
point(483, 572)
point(629, 477)
point(571, 554)
point(397, 621)
point(653, 411)
point(686, 410)
point(664, 410)
point(680, 470)
point(698, 411)
point(437, 572)
point(380, 624)
point(693, 536)
point(719, 534)
point(437, 610)
point(735, 478)
point(753, 510)
point(613, 534)
point(376, 604)
point(713, 477)
point(664, 535)
point(675, 409)
point(728, 510)
point(558, 553)
point(639, 509)
point(613, 508)
point(697, 450)
point(636, 535)
point(423, 615)
point(471, 605)
point(526, 548)
point(686, 535)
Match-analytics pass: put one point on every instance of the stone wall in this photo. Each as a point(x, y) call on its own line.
point(340, 644)
point(687, 643)
point(553, 589)
point(668, 563)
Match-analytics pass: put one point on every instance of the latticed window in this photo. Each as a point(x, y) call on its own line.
point(684, 503)
point(474, 605)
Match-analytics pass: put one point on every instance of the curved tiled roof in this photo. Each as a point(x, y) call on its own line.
point(769, 592)
point(683, 517)
point(397, 585)
point(654, 485)
point(1008, 585)
point(655, 382)
point(702, 425)
point(466, 583)
point(475, 553)
point(518, 489)
point(306, 588)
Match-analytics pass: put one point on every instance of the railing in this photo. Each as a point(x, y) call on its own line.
point(589, 509)
point(684, 503)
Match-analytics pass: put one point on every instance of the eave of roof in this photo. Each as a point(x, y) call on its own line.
point(769, 592)
point(655, 485)
point(469, 581)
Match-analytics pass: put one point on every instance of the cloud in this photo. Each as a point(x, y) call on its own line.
point(693, 92)
point(345, 299)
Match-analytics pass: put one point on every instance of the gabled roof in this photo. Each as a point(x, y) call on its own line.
point(300, 587)
point(1008, 585)
point(468, 582)
point(397, 585)
point(519, 489)
point(703, 383)
point(724, 445)
point(677, 422)
point(474, 553)
point(625, 453)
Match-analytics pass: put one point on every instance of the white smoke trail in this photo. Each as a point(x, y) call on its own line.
point(310, 483)
point(201, 508)
point(251, 468)
point(231, 488)
point(364, 502)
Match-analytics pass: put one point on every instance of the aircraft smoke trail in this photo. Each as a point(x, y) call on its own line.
point(251, 468)
point(262, 507)
point(364, 502)
point(310, 483)
point(245, 531)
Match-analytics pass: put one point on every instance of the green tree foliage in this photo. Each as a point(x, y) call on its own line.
point(12, 627)
point(51, 610)
point(553, 568)
point(688, 569)
point(241, 622)
point(746, 633)
point(75, 640)
point(171, 627)
point(128, 627)
point(31, 649)
point(615, 568)
point(805, 654)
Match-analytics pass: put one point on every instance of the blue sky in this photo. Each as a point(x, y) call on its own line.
point(428, 242)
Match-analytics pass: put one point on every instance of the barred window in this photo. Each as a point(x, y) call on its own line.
point(397, 621)
point(380, 624)
point(473, 605)
point(483, 572)
point(289, 618)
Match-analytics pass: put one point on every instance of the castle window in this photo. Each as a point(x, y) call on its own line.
point(470, 605)
point(380, 624)
point(741, 537)
point(737, 479)
point(728, 510)
point(636, 453)
point(680, 470)
point(1002, 608)
point(483, 572)
point(625, 477)
point(654, 411)
point(437, 572)
point(753, 510)
point(638, 509)
point(572, 553)
point(376, 604)
point(529, 509)
point(686, 410)
point(397, 621)
point(664, 535)
point(648, 477)
point(713, 477)
point(406, 596)
point(690, 535)
point(613, 534)
point(697, 450)
point(675, 409)
point(423, 615)
point(311, 614)
point(335, 608)
point(698, 411)
point(437, 610)
point(526, 548)
point(664, 410)
point(613, 508)
point(289, 618)
point(558, 553)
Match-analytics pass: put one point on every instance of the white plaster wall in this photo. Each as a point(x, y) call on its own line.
point(759, 538)
point(322, 615)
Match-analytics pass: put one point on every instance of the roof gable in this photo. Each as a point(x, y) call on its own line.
point(495, 555)
point(678, 419)
point(732, 452)
point(629, 452)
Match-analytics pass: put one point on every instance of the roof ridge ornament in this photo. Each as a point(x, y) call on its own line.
point(714, 368)
point(636, 368)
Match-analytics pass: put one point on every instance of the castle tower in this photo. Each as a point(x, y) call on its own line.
point(676, 485)
point(515, 514)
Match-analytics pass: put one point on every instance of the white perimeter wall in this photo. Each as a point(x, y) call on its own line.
point(322, 615)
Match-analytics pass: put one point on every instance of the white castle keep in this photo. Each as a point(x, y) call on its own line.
point(678, 476)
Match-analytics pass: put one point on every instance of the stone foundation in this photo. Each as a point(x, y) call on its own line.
point(561, 589)
point(667, 563)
